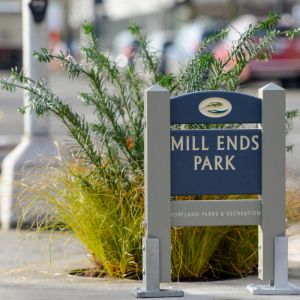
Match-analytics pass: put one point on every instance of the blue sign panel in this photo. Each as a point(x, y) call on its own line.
point(215, 107)
point(207, 162)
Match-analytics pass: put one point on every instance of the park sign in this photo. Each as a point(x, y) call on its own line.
point(215, 161)
point(210, 161)
point(243, 153)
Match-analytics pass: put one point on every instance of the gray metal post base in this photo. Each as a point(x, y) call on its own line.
point(281, 286)
point(143, 293)
point(151, 273)
point(256, 289)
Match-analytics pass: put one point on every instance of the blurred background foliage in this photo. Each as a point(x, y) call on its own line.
point(175, 29)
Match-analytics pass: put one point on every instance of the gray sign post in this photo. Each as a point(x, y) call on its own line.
point(235, 161)
point(36, 141)
point(157, 241)
point(273, 243)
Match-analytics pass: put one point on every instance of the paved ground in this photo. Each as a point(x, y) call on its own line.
point(35, 267)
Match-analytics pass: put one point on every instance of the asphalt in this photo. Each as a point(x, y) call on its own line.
point(36, 266)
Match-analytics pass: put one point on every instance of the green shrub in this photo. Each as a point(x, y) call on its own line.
point(101, 198)
point(107, 220)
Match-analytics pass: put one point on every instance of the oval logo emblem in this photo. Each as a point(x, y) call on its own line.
point(215, 107)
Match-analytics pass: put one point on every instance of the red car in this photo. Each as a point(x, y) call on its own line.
point(285, 62)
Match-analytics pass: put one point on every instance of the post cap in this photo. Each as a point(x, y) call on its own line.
point(271, 87)
point(156, 88)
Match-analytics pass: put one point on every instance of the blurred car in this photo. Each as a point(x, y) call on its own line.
point(159, 44)
point(125, 47)
point(10, 34)
point(284, 64)
point(188, 40)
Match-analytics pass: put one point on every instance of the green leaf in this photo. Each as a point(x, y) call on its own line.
point(22, 110)
point(7, 86)
point(270, 22)
point(134, 29)
point(88, 28)
point(43, 55)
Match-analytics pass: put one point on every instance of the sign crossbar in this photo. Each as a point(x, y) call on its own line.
point(215, 212)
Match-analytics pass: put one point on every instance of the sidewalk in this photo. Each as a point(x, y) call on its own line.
point(35, 267)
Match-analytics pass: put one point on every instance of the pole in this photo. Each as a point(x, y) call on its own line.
point(35, 37)
point(273, 177)
point(157, 240)
point(272, 240)
point(36, 141)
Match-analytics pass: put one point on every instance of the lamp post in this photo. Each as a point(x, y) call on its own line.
point(36, 141)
